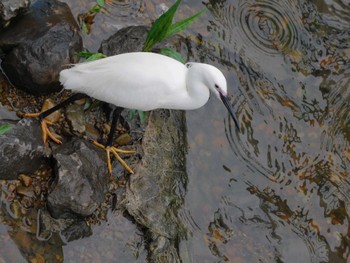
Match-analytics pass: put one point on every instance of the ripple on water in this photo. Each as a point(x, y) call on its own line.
point(335, 13)
point(122, 8)
point(268, 26)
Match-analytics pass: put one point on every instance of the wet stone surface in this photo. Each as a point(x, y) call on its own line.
point(35, 48)
point(21, 145)
point(154, 192)
point(81, 181)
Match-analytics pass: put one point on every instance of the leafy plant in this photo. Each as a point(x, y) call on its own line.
point(101, 2)
point(87, 19)
point(161, 29)
point(164, 28)
point(90, 56)
point(173, 54)
point(4, 128)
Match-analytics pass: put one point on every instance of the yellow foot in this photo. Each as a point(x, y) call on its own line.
point(115, 151)
point(45, 129)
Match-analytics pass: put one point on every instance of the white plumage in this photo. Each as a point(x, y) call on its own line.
point(145, 81)
point(141, 81)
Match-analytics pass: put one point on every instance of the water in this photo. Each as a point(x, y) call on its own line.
point(278, 190)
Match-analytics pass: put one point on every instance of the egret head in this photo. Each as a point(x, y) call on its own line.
point(211, 77)
point(215, 81)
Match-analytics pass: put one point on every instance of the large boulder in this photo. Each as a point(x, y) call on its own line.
point(36, 47)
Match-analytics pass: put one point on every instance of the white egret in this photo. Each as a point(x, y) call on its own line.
point(142, 81)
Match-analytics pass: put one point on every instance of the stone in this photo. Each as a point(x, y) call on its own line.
point(156, 191)
point(81, 180)
point(21, 148)
point(39, 45)
point(9, 9)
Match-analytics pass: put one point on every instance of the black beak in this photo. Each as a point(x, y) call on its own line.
point(228, 106)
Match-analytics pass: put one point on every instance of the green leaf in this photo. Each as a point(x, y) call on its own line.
point(183, 24)
point(88, 103)
point(83, 54)
point(90, 56)
point(84, 28)
point(132, 114)
point(101, 2)
point(96, 8)
point(160, 27)
point(4, 128)
point(95, 56)
point(143, 115)
point(173, 54)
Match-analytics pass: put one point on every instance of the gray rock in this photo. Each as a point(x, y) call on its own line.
point(132, 39)
point(10, 9)
point(81, 180)
point(21, 148)
point(156, 191)
point(37, 47)
point(77, 230)
point(128, 39)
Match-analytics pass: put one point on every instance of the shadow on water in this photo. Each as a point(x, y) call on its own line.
point(278, 189)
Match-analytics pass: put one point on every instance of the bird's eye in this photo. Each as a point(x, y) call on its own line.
point(217, 86)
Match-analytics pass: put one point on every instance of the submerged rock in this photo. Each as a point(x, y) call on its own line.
point(81, 180)
point(38, 45)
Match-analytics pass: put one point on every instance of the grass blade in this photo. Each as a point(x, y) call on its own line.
point(181, 25)
point(4, 128)
point(173, 54)
point(89, 56)
point(101, 2)
point(160, 27)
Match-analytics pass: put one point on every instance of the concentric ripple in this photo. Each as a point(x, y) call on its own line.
point(268, 26)
point(335, 13)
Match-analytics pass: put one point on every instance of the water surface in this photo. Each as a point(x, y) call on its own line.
point(277, 190)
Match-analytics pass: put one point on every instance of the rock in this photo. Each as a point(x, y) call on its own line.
point(10, 9)
point(132, 39)
point(76, 118)
point(77, 230)
point(154, 192)
point(71, 229)
point(81, 180)
point(21, 148)
point(37, 47)
point(121, 42)
point(5, 114)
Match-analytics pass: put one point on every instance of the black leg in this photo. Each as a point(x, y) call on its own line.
point(72, 98)
point(116, 114)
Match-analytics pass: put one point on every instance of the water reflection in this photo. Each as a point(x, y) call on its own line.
point(267, 26)
point(292, 62)
point(335, 13)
